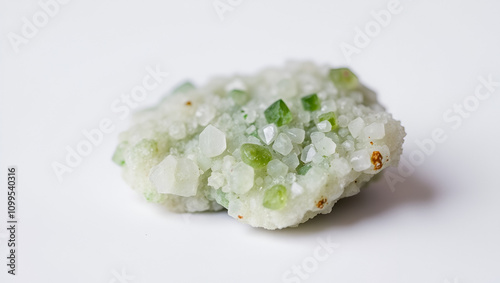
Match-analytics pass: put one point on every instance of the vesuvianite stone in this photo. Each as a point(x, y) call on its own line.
point(344, 79)
point(311, 102)
point(240, 97)
point(275, 197)
point(303, 169)
point(262, 146)
point(255, 155)
point(221, 198)
point(278, 113)
point(330, 117)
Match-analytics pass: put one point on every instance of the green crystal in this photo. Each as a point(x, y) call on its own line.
point(255, 155)
point(118, 156)
point(255, 134)
point(343, 78)
point(240, 97)
point(330, 116)
point(275, 197)
point(278, 113)
point(311, 102)
point(220, 198)
point(302, 170)
point(185, 87)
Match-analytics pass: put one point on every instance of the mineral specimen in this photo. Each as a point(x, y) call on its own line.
point(274, 149)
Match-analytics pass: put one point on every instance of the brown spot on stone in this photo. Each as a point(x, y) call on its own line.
point(377, 160)
point(321, 203)
point(371, 143)
point(188, 103)
point(240, 217)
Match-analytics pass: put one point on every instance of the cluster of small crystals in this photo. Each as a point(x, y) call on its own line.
point(274, 149)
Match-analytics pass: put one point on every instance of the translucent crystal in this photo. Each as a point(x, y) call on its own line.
point(318, 158)
point(330, 117)
point(290, 178)
point(360, 160)
point(250, 116)
point(176, 176)
point(296, 135)
point(204, 114)
point(325, 146)
point(224, 122)
point(217, 165)
point(227, 163)
point(356, 126)
point(374, 131)
point(302, 170)
point(343, 121)
point(296, 189)
point(254, 155)
point(291, 160)
point(254, 140)
point(341, 167)
point(348, 145)
point(203, 161)
point(186, 176)
point(283, 144)
point(250, 129)
point(239, 96)
point(212, 141)
point(241, 178)
point(329, 105)
point(278, 113)
point(343, 132)
point(268, 133)
point(276, 168)
point(311, 102)
point(163, 175)
point(220, 198)
point(308, 153)
point(343, 78)
point(216, 180)
point(324, 126)
point(275, 197)
point(304, 117)
point(317, 136)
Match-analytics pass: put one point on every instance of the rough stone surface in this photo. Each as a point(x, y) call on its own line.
point(185, 152)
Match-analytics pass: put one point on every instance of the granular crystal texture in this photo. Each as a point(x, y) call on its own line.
point(275, 149)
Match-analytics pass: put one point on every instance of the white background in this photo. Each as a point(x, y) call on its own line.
point(442, 224)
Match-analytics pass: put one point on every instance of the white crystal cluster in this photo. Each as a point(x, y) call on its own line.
point(186, 153)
